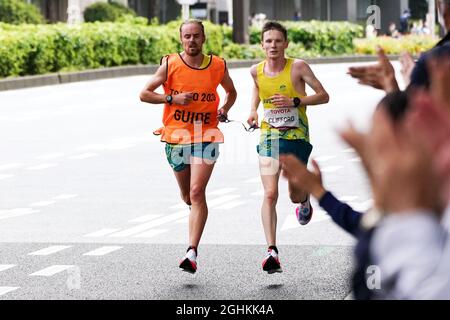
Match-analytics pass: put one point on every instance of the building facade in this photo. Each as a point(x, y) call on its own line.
point(220, 11)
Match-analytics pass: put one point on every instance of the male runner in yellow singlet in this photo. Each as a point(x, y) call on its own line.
point(190, 80)
point(279, 82)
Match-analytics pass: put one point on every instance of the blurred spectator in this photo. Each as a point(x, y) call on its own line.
point(360, 225)
point(393, 32)
point(412, 188)
point(371, 32)
point(426, 30)
point(382, 75)
point(297, 16)
point(415, 29)
point(404, 22)
point(419, 28)
point(258, 20)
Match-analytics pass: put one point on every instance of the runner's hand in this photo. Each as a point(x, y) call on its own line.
point(183, 98)
point(279, 100)
point(222, 114)
point(253, 118)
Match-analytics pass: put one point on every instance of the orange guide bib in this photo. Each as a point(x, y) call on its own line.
point(197, 121)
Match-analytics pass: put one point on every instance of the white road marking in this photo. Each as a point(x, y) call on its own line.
point(148, 225)
point(101, 232)
point(43, 166)
point(6, 176)
point(83, 156)
point(230, 205)
point(355, 159)
point(349, 150)
point(183, 220)
point(4, 290)
point(290, 222)
point(324, 158)
point(258, 193)
point(150, 233)
point(50, 156)
point(4, 267)
point(11, 166)
point(102, 251)
point(92, 147)
point(52, 270)
point(331, 169)
point(65, 196)
point(221, 200)
point(42, 203)
point(145, 218)
point(49, 250)
point(221, 191)
point(347, 198)
point(323, 251)
point(4, 214)
point(253, 180)
point(120, 146)
point(181, 205)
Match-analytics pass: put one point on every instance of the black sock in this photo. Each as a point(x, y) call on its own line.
point(274, 248)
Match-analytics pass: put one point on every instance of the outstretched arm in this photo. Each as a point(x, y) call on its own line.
point(379, 76)
point(311, 182)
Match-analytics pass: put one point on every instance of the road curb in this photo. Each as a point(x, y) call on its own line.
point(125, 71)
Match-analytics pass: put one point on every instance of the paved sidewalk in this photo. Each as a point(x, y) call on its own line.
point(124, 71)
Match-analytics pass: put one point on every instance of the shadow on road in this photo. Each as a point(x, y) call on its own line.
point(274, 286)
point(190, 286)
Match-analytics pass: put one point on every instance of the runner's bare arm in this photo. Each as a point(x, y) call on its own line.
point(231, 94)
point(148, 94)
point(305, 72)
point(253, 117)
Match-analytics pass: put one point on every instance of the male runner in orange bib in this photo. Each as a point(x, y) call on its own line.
point(190, 80)
point(279, 82)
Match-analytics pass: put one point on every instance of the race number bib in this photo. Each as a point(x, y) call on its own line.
point(282, 118)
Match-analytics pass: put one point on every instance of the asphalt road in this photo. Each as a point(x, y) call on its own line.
point(89, 208)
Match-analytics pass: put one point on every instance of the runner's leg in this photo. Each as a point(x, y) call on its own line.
point(269, 180)
point(200, 174)
point(296, 195)
point(184, 180)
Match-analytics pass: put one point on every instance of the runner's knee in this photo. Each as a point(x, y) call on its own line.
point(197, 193)
point(271, 196)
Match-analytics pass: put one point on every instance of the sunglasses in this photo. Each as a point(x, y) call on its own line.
point(224, 118)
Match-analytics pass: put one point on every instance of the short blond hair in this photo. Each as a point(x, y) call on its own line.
point(195, 21)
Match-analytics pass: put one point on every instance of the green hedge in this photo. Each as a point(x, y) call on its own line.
point(29, 49)
point(319, 37)
point(412, 43)
point(38, 49)
point(103, 11)
point(18, 11)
